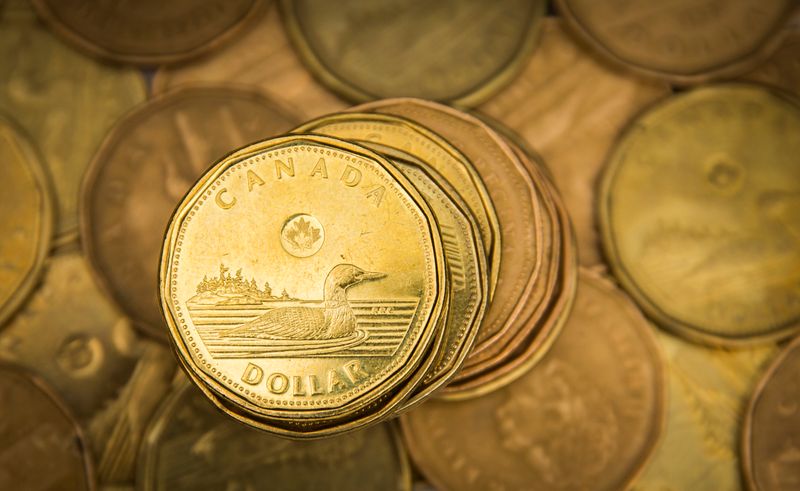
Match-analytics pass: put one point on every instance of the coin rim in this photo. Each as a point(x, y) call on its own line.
point(35, 166)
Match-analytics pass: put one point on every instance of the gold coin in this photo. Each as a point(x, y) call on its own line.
point(142, 170)
point(699, 210)
point(310, 217)
point(71, 336)
point(708, 389)
point(26, 218)
point(147, 32)
point(64, 100)
point(262, 57)
point(679, 42)
point(455, 50)
point(565, 96)
point(771, 435)
point(581, 419)
point(43, 446)
point(411, 138)
point(190, 445)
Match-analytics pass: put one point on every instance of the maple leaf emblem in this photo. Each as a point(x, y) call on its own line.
point(302, 234)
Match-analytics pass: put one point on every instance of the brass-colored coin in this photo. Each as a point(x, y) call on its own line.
point(190, 445)
point(579, 420)
point(782, 69)
point(466, 273)
point(261, 57)
point(145, 166)
point(570, 108)
point(147, 32)
point(26, 218)
point(65, 101)
point(771, 436)
point(71, 336)
point(708, 390)
point(455, 50)
point(516, 200)
point(411, 138)
point(684, 43)
point(42, 445)
point(700, 214)
point(344, 323)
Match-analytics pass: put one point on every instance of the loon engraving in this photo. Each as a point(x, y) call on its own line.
point(335, 319)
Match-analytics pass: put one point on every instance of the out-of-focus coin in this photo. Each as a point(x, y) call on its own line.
point(41, 445)
point(516, 200)
point(352, 271)
point(147, 32)
point(771, 435)
point(679, 41)
point(564, 96)
point(782, 69)
point(191, 445)
point(263, 58)
point(143, 169)
point(69, 334)
point(64, 100)
point(700, 214)
point(453, 50)
point(708, 390)
point(581, 419)
point(411, 138)
point(26, 218)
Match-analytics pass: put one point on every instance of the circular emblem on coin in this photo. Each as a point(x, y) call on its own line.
point(302, 235)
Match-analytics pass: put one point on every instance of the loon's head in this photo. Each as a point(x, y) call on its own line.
point(347, 275)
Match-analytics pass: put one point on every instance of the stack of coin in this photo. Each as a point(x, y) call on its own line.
point(325, 280)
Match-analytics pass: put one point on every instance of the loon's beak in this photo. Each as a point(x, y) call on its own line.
point(370, 275)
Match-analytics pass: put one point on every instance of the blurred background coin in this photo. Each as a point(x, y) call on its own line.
point(453, 50)
point(148, 32)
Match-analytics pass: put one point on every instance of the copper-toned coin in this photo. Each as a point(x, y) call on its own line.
point(782, 69)
point(146, 164)
point(191, 445)
point(708, 391)
point(147, 32)
point(453, 50)
point(515, 198)
point(26, 218)
point(41, 445)
point(563, 96)
point(69, 334)
point(581, 419)
point(530, 343)
point(700, 213)
point(771, 436)
point(681, 42)
point(63, 99)
point(261, 57)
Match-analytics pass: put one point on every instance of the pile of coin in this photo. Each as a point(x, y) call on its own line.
point(402, 257)
point(392, 260)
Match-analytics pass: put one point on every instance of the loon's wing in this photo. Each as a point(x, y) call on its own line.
point(285, 323)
